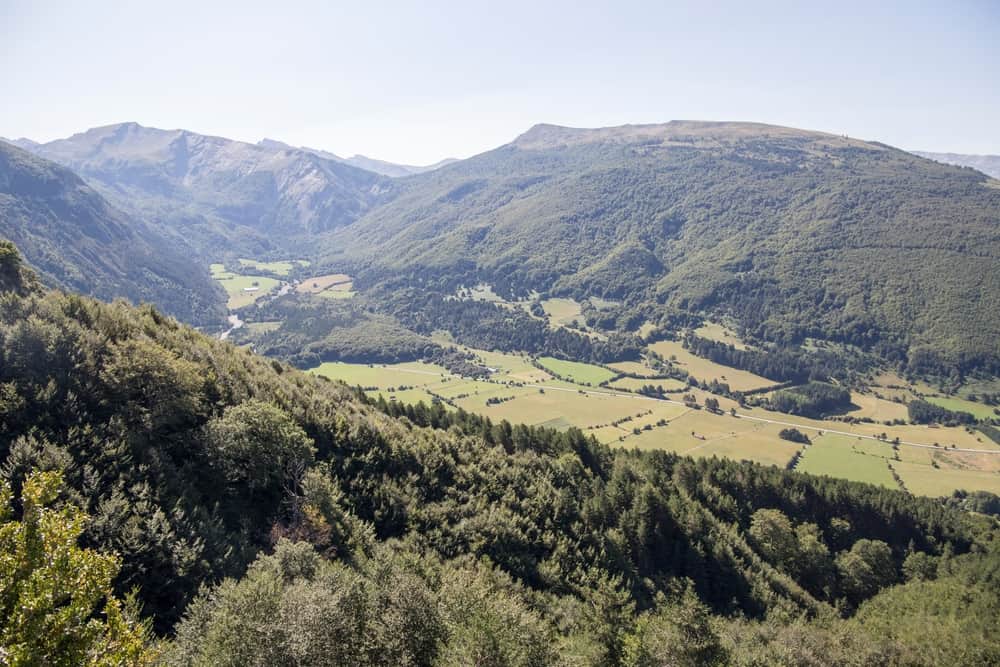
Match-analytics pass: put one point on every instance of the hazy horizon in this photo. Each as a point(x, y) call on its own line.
point(417, 85)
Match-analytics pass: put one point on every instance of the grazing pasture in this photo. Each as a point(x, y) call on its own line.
point(718, 332)
point(977, 410)
point(585, 374)
point(281, 268)
point(563, 311)
point(317, 284)
point(926, 480)
point(839, 456)
point(703, 369)
point(637, 421)
point(237, 288)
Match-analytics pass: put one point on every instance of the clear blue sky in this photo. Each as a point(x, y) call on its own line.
point(419, 81)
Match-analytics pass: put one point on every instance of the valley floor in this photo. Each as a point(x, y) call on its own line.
point(926, 460)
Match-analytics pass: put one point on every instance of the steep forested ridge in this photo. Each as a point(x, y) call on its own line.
point(794, 234)
point(77, 241)
point(359, 533)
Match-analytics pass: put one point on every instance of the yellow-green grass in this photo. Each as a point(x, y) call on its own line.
point(563, 311)
point(703, 369)
point(317, 284)
point(926, 480)
point(915, 433)
point(698, 433)
point(533, 407)
point(836, 456)
point(977, 410)
point(513, 366)
point(586, 374)
point(484, 292)
point(646, 330)
point(718, 332)
point(415, 374)
point(634, 384)
point(335, 294)
point(633, 368)
point(219, 271)
point(879, 409)
point(281, 268)
point(235, 287)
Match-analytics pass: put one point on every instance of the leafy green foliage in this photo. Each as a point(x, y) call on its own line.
point(454, 538)
point(814, 399)
point(925, 412)
point(56, 602)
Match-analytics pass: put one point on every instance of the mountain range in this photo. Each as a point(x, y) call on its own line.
point(362, 162)
point(221, 195)
point(794, 235)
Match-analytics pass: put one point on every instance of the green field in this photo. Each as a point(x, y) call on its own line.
point(838, 456)
point(636, 421)
point(563, 311)
point(585, 374)
point(977, 410)
point(718, 332)
point(925, 480)
point(634, 384)
point(416, 374)
point(703, 369)
point(235, 287)
point(281, 268)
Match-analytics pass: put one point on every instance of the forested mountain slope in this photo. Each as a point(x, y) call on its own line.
point(795, 234)
point(221, 194)
point(414, 535)
point(79, 242)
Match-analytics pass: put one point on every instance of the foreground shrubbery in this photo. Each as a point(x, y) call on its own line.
point(270, 517)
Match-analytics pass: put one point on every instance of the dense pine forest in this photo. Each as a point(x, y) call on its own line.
point(167, 497)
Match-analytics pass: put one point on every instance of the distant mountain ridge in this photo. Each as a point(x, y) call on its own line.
point(223, 195)
point(391, 169)
point(988, 164)
point(77, 241)
point(795, 234)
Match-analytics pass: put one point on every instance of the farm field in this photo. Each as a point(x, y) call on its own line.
point(632, 421)
point(925, 480)
point(585, 374)
point(635, 384)
point(837, 456)
point(879, 409)
point(633, 367)
point(317, 284)
point(977, 410)
point(714, 331)
point(236, 287)
point(703, 369)
point(414, 374)
point(563, 311)
point(281, 268)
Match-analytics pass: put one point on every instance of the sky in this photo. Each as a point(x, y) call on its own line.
point(415, 82)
